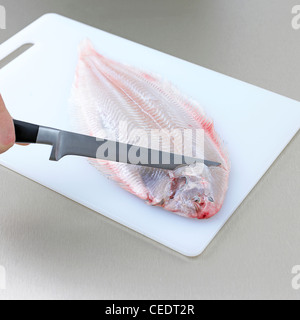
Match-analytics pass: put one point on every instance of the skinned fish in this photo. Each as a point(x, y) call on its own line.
point(109, 96)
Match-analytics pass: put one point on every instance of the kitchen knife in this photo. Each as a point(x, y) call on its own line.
point(67, 143)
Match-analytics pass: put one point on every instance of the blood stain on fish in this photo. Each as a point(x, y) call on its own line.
point(107, 93)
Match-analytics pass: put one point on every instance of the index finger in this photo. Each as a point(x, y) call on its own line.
point(7, 131)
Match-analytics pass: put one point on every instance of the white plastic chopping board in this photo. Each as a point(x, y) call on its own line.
point(255, 125)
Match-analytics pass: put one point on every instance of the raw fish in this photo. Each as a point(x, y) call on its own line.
point(107, 94)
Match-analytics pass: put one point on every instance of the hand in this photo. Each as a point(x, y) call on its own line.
point(7, 130)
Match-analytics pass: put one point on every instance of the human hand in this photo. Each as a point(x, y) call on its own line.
point(7, 130)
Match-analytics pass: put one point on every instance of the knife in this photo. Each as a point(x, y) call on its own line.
point(68, 143)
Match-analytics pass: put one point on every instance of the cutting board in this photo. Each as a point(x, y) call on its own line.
point(255, 124)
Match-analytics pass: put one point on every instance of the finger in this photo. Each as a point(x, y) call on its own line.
point(7, 131)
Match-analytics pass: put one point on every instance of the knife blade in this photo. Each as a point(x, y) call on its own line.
point(66, 143)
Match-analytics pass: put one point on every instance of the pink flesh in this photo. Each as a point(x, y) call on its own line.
point(107, 92)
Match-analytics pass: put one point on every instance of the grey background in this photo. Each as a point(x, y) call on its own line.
point(92, 257)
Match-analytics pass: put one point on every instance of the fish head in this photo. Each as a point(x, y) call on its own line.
point(190, 192)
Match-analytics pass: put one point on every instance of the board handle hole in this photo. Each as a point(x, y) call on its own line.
point(15, 54)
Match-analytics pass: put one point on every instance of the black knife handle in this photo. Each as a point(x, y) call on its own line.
point(26, 132)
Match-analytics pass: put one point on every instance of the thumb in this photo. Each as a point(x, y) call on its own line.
point(7, 132)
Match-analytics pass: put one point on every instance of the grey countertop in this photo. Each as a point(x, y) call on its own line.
point(87, 256)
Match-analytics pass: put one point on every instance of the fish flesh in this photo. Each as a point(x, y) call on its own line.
point(108, 94)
